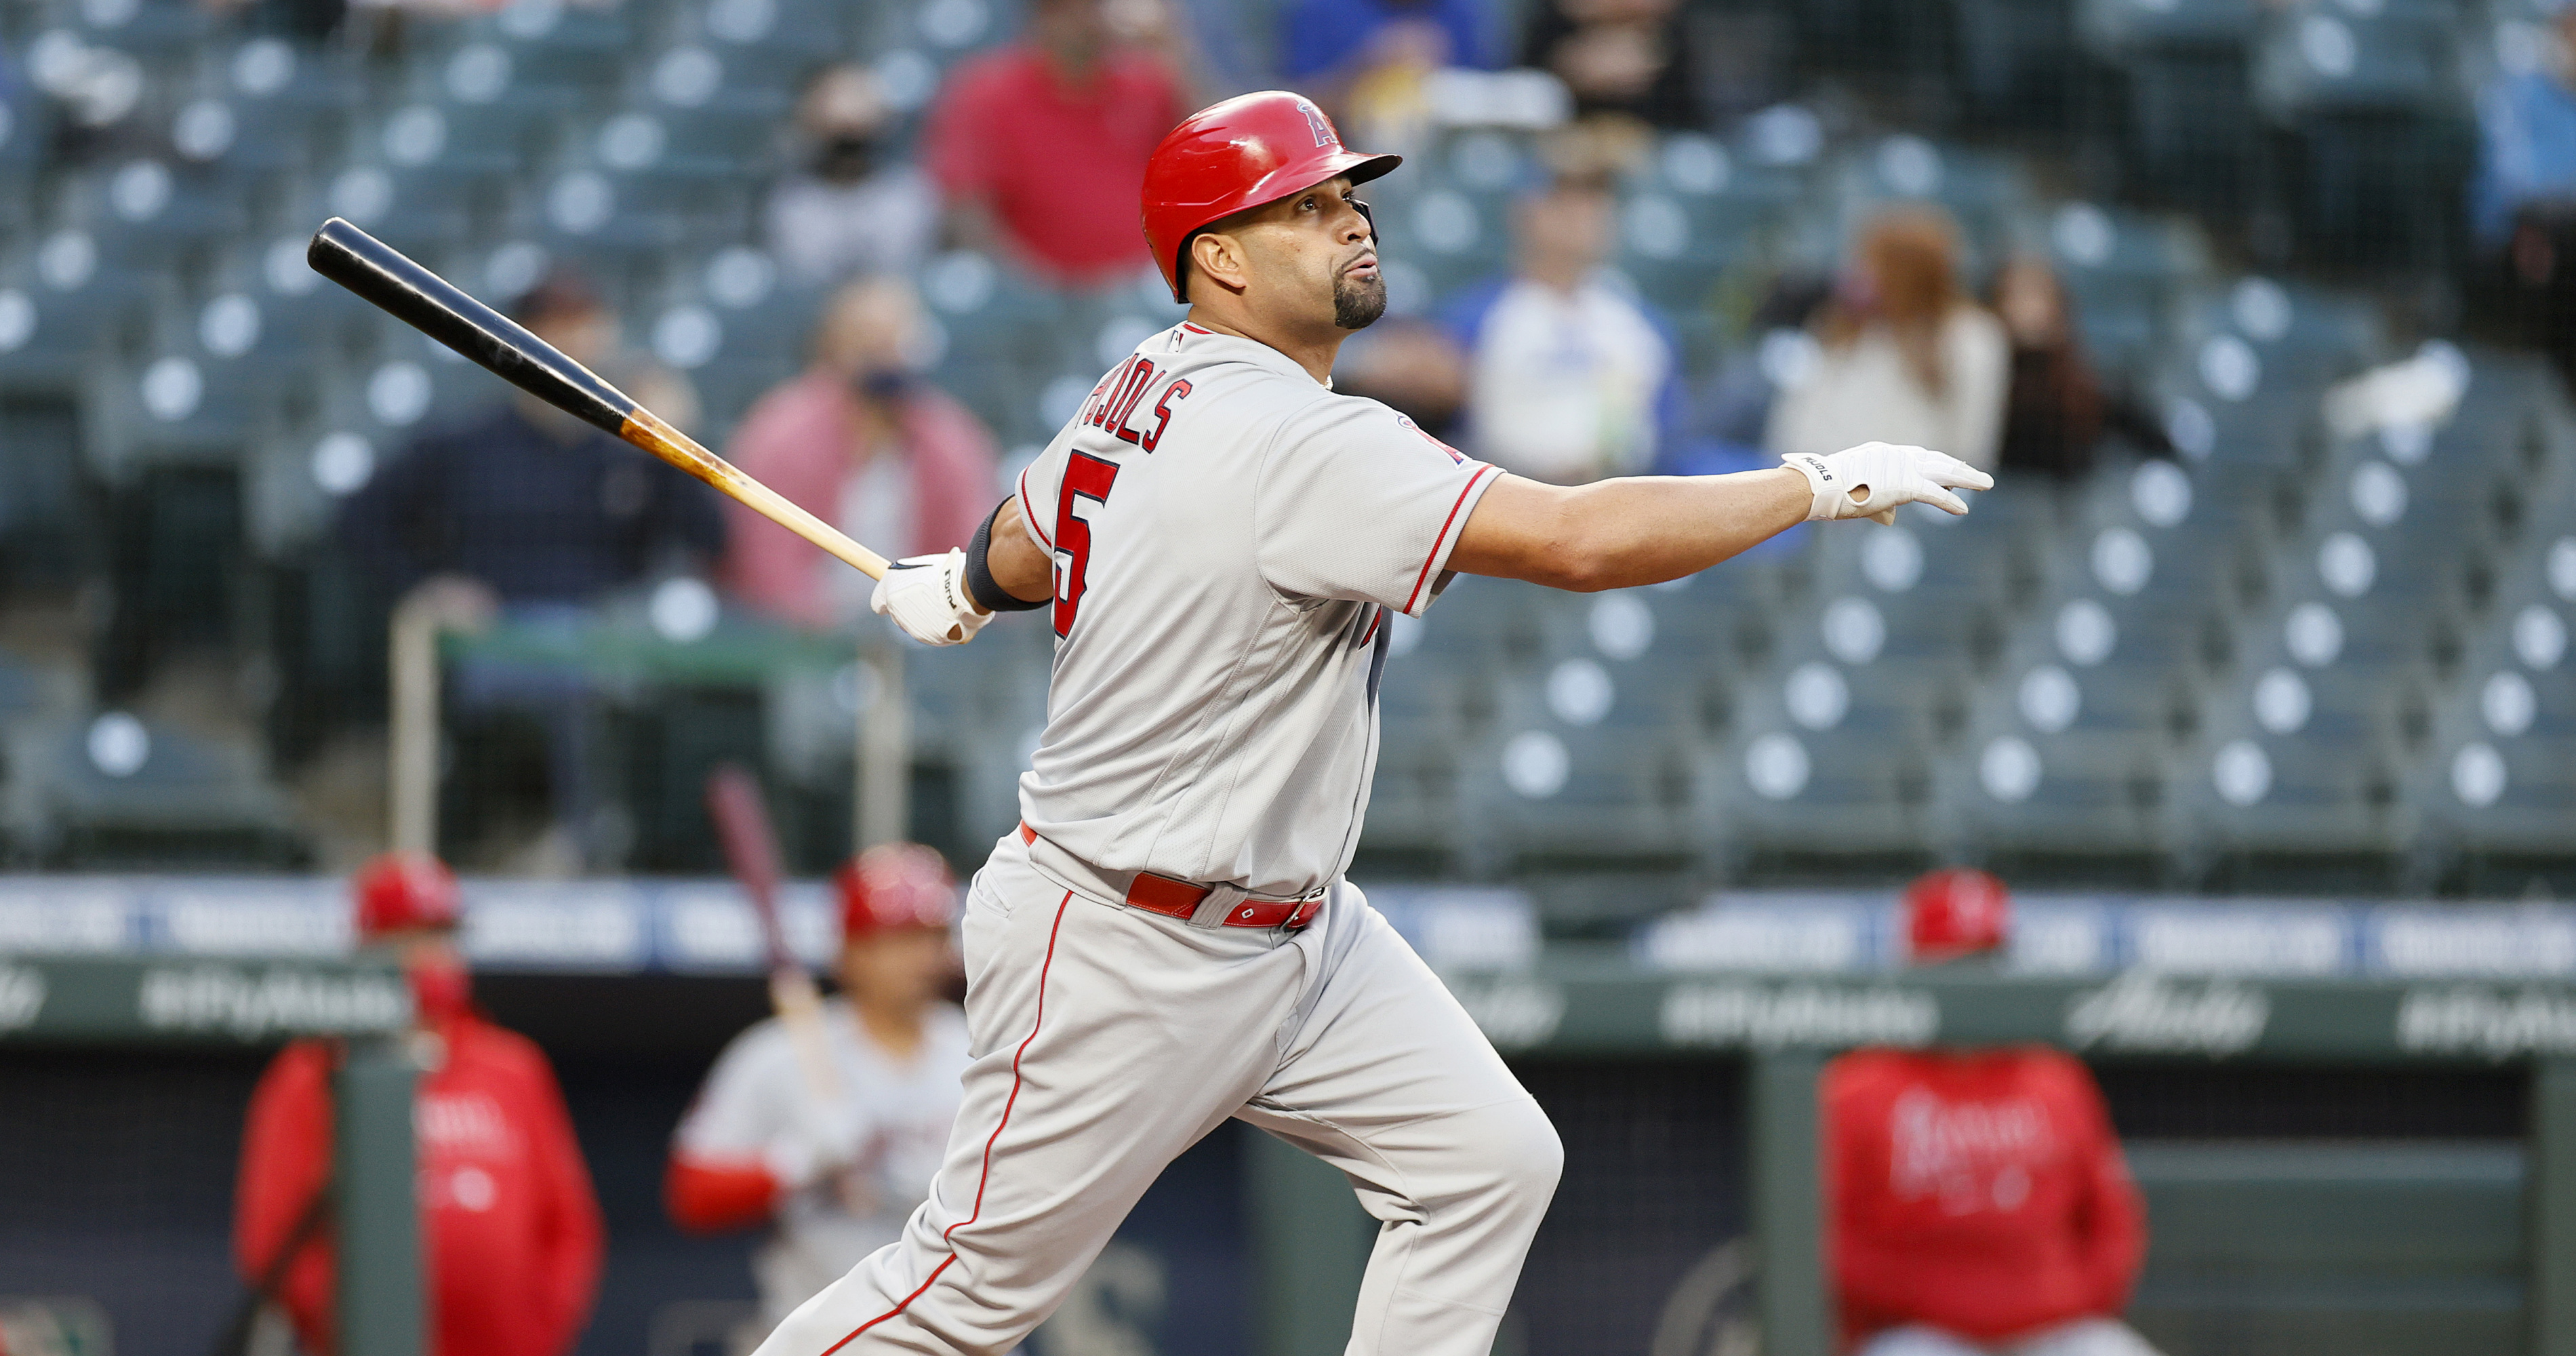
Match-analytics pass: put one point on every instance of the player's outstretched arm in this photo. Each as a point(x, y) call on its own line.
point(1615, 534)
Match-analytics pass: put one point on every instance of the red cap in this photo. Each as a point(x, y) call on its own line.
point(897, 885)
point(1249, 150)
point(1954, 913)
point(400, 891)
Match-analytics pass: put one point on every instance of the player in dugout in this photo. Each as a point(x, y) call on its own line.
point(1978, 1199)
point(836, 1170)
point(511, 1231)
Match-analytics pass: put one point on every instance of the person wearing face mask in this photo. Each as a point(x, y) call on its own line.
point(851, 208)
point(511, 1232)
point(861, 440)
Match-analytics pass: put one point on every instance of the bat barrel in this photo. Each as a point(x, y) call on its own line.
point(438, 308)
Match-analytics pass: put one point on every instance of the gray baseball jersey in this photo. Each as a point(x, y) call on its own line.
point(899, 1113)
point(1228, 537)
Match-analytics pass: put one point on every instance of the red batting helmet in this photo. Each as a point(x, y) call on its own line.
point(1954, 913)
point(1249, 150)
point(897, 885)
point(400, 891)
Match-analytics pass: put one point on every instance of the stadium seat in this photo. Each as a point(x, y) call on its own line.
point(144, 213)
point(184, 405)
point(1416, 824)
point(2496, 788)
point(70, 308)
point(2254, 811)
point(112, 791)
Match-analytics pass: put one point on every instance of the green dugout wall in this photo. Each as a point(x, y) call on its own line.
point(2443, 1209)
point(128, 1003)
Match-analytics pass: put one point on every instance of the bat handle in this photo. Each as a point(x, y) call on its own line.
point(800, 1010)
point(655, 434)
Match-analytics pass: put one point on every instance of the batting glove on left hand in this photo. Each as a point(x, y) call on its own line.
point(926, 596)
point(1874, 480)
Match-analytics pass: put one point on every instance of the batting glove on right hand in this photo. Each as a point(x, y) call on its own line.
point(926, 596)
point(1874, 480)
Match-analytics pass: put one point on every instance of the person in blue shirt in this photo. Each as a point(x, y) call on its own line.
point(2522, 203)
point(1325, 45)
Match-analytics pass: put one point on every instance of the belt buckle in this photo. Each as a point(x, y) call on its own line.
point(1303, 914)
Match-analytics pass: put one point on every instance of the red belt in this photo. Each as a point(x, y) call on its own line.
point(1180, 899)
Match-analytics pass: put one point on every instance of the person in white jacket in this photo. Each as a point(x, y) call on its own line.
point(1901, 354)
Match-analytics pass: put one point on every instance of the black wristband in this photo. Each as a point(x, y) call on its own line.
point(987, 592)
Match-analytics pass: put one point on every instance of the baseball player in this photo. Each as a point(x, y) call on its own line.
point(1980, 1202)
point(1167, 941)
point(837, 1179)
point(511, 1236)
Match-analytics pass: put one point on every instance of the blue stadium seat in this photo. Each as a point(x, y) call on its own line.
point(70, 308)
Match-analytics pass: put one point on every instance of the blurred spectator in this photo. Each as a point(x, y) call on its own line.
point(2522, 203)
point(1332, 48)
point(1042, 144)
point(1903, 356)
point(1413, 366)
point(1735, 406)
point(2053, 418)
point(862, 440)
point(535, 515)
point(510, 1230)
point(1630, 57)
point(529, 505)
point(1977, 1199)
point(853, 208)
point(836, 1176)
point(1570, 378)
point(2527, 135)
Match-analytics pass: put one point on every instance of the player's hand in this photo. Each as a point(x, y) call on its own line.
point(926, 596)
point(1874, 480)
point(816, 1146)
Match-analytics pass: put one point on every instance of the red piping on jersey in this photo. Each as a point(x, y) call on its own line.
point(980, 1182)
point(1438, 541)
point(1031, 518)
point(1371, 633)
point(1195, 329)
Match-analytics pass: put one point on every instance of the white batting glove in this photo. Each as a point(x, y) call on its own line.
point(926, 596)
point(1874, 480)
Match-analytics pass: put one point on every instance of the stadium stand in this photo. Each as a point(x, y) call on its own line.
point(2084, 681)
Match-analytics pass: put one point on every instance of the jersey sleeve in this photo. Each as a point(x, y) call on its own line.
point(1036, 490)
point(742, 1109)
point(1356, 502)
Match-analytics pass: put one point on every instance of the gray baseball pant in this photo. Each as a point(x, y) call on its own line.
point(1107, 1040)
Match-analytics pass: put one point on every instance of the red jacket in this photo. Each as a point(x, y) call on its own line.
point(796, 440)
point(1060, 166)
point(1980, 1192)
point(513, 1233)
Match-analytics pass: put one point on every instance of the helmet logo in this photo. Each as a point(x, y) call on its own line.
point(1315, 120)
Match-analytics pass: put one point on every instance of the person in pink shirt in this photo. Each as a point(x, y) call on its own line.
point(862, 441)
point(1043, 144)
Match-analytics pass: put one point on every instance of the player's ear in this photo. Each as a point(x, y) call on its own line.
point(1219, 257)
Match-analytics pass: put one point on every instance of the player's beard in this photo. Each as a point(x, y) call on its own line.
point(1358, 302)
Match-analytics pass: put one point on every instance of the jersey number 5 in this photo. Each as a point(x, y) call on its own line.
point(1086, 477)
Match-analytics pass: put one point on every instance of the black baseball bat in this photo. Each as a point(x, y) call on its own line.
point(438, 308)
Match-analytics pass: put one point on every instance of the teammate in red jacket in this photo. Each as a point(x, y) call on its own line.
point(1979, 1202)
point(511, 1230)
